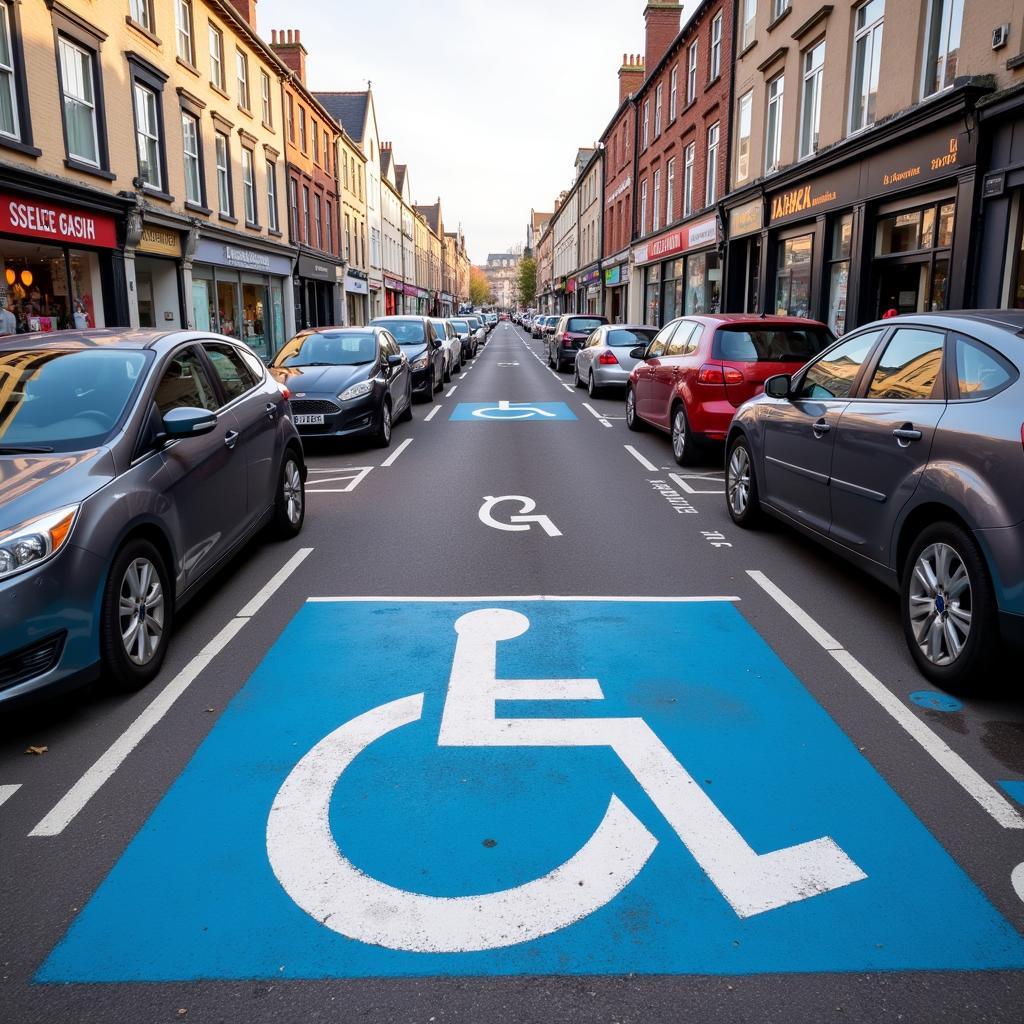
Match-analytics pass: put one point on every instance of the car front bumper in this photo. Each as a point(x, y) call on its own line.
point(357, 416)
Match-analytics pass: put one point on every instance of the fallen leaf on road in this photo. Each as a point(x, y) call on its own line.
point(37, 750)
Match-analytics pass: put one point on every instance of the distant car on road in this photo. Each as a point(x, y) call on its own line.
point(480, 332)
point(606, 359)
point(133, 464)
point(901, 449)
point(467, 336)
point(570, 334)
point(690, 380)
point(422, 348)
point(346, 382)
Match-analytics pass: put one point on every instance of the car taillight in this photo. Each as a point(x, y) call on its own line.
point(607, 359)
point(709, 373)
point(733, 376)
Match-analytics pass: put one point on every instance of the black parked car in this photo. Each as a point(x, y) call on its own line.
point(569, 336)
point(346, 381)
point(422, 347)
point(467, 336)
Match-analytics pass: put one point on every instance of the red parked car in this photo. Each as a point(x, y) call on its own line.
point(700, 369)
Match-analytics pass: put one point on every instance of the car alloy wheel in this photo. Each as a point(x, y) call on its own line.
point(941, 604)
point(292, 491)
point(738, 481)
point(141, 611)
point(632, 421)
point(679, 435)
point(385, 425)
point(591, 386)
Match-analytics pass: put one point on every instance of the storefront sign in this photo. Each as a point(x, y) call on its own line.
point(356, 285)
point(226, 255)
point(160, 241)
point(994, 185)
point(691, 236)
point(619, 189)
point(570, 284)
point(915, 162)
point(746, 219)
point(590, 277)
point(411, 290)
point(318, 269)
point(802, 200)
point(390, 282)
point(35, 219)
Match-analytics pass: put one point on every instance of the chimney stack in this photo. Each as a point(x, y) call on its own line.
point(247, 9)
point(631, 74)
point(663, 20)
point(288, 46)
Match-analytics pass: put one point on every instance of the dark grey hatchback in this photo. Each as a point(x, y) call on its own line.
point(132, 465)
point(902, 449)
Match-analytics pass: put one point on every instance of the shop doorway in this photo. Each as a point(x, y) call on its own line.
point(911, 286)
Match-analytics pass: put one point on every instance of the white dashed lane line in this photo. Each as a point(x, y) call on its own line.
point(433, 412)
point(393, 457)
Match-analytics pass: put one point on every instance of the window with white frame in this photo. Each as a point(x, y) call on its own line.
point(773, 124)
point(318, 220)
point(249, 186)
point(9, 125)
point(810, 99)
point(716, 46)
point(78, 81)
point(305, 214)
point(315, 132)
point(711, 169)
point(656, 213)
point(328, 227)
point(643, 208)
point(302, 129)
point(657, 110)
point(670, 191)
point(190, 151)
point(869, 21)
point(744, 127)
point(942, 44)
point(689, 158)
point(184, 30)
point(673, 94)
point(691, 72)
point(779, 8)
point(217, 73)
point(222, 152)
point(242, 72)
point(749, 21)
point(647, 123)
point(141, 13)
point(265, 101)
point(293, 193)
point(147, 136)
point(272, 222)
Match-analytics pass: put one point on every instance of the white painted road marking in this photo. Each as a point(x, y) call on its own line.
point(451, 391)
point(6, 792)
point(646, 463)
point(393, 457)
point(517, 523)
point(508, 411)
point(433, 412)
point(352, 478)
point(1017, 880)
point(681, 480)
point(986, 795)
point(593, 412)
point(72, 803)
point(502, 598)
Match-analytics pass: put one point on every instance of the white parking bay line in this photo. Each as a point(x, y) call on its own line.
point(986, 795)
point(6, 792)
point(646, 463)
point(390, 460)
point(675, 599)
point(593, 412)
point(71, 804)
point(451, 391)
point(433, 412)
point(346, 477)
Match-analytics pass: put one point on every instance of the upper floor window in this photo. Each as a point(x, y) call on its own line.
point(657, 110)
point(315, 130)
point(272, 196)
point(265, 101)
point(670, 191)
point(773, 125)
point(691, 73)
point(656, 217)
point(711, 179)
point(242, 70)
point(9, 120)
point(327, 151)
point(673, 94)
point(302, 129)
point(942, 44)
point(779, 8)
point(249, 187)
point(810, 101)
point(185, 31)
point(689, 158)
point(78, 85)
point(716, 46)
point(291, 118)
point(193, 162)
point(643, 208)
point(217, 73)
point(749, 20)
point(867, 54)
point(222, 151)
point(647, 123)
point(142, 13)
point(744, 126)
point(147, 136)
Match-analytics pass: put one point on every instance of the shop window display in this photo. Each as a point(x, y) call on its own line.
point(46, 288)
point(793, 277)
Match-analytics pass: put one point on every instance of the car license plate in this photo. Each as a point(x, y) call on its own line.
point(313, 420)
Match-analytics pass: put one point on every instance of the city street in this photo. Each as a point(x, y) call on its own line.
point(707, 697)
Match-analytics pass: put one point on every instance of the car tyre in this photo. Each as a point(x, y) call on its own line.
point(633, 420)
point(576, 382)
point(592, 389)
point(290, 499)
point(407, 411)
point(447, 377)
point(946, 595)
point(440, 381)
point(382, 436)
point(741, 496)
point(138, 593)
point(684, 445)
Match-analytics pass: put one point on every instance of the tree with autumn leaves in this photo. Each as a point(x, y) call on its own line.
point(479, 288)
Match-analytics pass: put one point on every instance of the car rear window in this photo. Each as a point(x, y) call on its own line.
point(405, 332)
point(629, 339)
point(776, 344)
point(583, 324)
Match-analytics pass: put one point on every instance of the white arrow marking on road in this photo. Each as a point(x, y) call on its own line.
point(518, 412)
point(518, 523)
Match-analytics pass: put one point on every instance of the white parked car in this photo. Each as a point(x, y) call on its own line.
point(449, 337)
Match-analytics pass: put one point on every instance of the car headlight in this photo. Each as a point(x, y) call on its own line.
point(421, 363)
point(33, 542)
point(357, 390)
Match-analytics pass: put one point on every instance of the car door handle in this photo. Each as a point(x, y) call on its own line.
point(231, 439)
point(906, 434)
point(271, 410)
point(821, 428)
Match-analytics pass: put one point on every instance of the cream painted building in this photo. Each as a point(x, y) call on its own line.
point(355, 244)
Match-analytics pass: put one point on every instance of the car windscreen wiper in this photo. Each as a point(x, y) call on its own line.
point(25, 449)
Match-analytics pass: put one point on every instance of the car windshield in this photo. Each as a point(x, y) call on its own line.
point(328, 348)
point(623, 338)
point(64, 401)
point(439, 329)
point(583, 324)
point(405, 332)
point(771, 344)
point(460, 325)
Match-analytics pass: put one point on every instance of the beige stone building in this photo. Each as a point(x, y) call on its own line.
point(352, 175)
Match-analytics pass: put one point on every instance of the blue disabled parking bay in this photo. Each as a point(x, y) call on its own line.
point(508, 787)
point(512, 412)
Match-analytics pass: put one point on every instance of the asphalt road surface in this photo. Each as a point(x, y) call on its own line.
point(733, 801)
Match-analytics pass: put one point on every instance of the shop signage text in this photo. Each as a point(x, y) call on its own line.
point(704, 232)
point(56, 223)
point(246, 258)
point(310, 267)
point(356, 285)
point(590, 277)
point(163, 241)
point(390, 282)
point(615, 276)
point(619, 189)
point(799, 200)
point(746, 219)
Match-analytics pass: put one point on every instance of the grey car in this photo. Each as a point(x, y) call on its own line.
point(605, 360)
point(901, 449)
point(449, 337)
point(132, 465)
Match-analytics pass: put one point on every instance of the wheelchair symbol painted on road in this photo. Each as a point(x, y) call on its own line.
point(507, 411)
point(519, 523)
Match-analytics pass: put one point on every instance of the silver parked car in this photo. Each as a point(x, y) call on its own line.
point(449, 337)
point(605, 360)
point(132, 465)
point(901, 448)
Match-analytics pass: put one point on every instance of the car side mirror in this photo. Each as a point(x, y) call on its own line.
point(188, 422)
point(394, 360)
point(779, 386)
point(638, 353)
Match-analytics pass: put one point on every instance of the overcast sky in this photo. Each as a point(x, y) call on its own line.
point(486, 101)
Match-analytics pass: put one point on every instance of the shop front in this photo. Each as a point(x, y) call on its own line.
point(375, 297)
point(415, 300)
point(241, 292)
point(616, 288)
point(588, 290)
point(569, 295)
point(743, 285)
point(61, 264)
point(447, 304)
point(356, 293)
point(157, 265)
point(316, 286)
point(394, 296)
point(681, 272)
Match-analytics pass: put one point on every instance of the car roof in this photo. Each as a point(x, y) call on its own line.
point(751, 319)
point(1008, 319)
point(114, 337)
point(628, 327)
